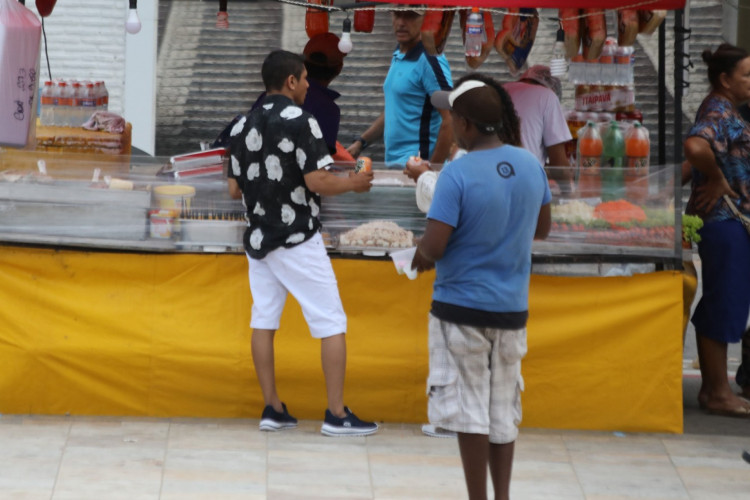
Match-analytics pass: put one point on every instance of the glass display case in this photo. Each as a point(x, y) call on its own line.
point(168, 204)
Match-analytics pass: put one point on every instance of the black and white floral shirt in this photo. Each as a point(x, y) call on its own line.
point(272, 148)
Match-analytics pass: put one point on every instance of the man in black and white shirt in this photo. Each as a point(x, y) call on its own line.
point(279, 166)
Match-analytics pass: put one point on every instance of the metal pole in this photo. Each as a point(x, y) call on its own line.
point(681, 60)
point(662, 77)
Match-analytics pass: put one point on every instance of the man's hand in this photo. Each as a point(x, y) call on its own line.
point(362, 181)
point(415, 167)
point(421, 263)
point(355, 148)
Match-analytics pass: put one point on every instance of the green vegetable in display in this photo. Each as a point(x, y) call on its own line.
point(690, 226)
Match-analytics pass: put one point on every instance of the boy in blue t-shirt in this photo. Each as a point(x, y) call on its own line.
point(488, 207)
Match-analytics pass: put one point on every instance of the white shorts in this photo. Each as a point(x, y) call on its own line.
point(306, 272)
point(475, 381)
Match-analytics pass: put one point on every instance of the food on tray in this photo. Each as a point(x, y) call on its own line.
point(619, 211)
point(614, 223)
point(378, 233)
point(573, 211)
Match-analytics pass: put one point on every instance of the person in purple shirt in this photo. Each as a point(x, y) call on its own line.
point(323, 61)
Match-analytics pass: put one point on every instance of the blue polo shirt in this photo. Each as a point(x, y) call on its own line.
point(411, 122)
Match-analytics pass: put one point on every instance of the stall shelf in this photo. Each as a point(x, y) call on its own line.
point(118, 325)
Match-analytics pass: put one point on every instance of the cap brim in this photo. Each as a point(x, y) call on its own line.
point(440, 99)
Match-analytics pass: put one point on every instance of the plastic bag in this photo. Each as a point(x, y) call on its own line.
point(20, 36)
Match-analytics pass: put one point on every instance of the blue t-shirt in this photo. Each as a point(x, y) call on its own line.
point(492, 199)
point(411, 121)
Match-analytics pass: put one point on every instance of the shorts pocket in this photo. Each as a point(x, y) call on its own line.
point(442, 390)
point(513, 345)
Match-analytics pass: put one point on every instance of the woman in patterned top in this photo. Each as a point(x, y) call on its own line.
point(718, 148)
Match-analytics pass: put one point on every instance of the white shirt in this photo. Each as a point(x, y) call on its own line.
point(543, 122)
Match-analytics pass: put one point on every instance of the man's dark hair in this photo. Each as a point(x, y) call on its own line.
point(277, 67)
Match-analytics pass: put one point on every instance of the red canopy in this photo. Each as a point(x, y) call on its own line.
point(553, 4)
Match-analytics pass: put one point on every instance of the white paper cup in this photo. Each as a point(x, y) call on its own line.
point(402, 261)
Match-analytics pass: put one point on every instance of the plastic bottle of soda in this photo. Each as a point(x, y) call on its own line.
point(48, 104)
point(607, 62)
point(474, 33)
point(613, 160)
point(637, 151)
point(589, 157)
point(102, 96)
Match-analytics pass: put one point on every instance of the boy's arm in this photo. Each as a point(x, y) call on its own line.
point(326, 183)
point(543, 222)
point(432, 245)
point(234, 189)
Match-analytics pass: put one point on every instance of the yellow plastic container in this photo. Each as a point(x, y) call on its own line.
point(174, 196)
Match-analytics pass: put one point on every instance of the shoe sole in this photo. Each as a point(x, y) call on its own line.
point(433, 432)
point(271, 426)
point(333, 431)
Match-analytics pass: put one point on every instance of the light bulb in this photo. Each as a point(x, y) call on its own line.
point(559, 64)
point(345, 44)
point(133, 24)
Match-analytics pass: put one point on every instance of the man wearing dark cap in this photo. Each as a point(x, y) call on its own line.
point(323, 61)
point(488, 207)
point(410, 125)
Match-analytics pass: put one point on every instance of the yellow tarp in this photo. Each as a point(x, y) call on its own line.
point(167, 335)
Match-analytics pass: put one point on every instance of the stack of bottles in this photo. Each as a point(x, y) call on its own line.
point(70, 103)
point(613, 161)
point(605, 85)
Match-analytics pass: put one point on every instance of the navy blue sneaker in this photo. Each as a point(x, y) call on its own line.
point(272, 420)
point(347, 426)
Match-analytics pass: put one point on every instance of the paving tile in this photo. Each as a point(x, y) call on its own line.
point(220, 473)
point(728, 482)
point(103, 432)
point(644, 480)
point(216, 435)
point(534, 479)
point(130, 470)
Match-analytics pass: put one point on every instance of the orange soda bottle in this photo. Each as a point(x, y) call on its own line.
point(637, 151)
point(589, 160)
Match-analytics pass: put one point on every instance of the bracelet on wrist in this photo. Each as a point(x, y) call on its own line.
point(363, 142)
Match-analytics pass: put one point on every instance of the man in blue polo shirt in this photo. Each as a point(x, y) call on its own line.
point(410, 125)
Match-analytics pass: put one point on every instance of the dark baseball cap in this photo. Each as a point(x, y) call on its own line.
point(475, 101)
